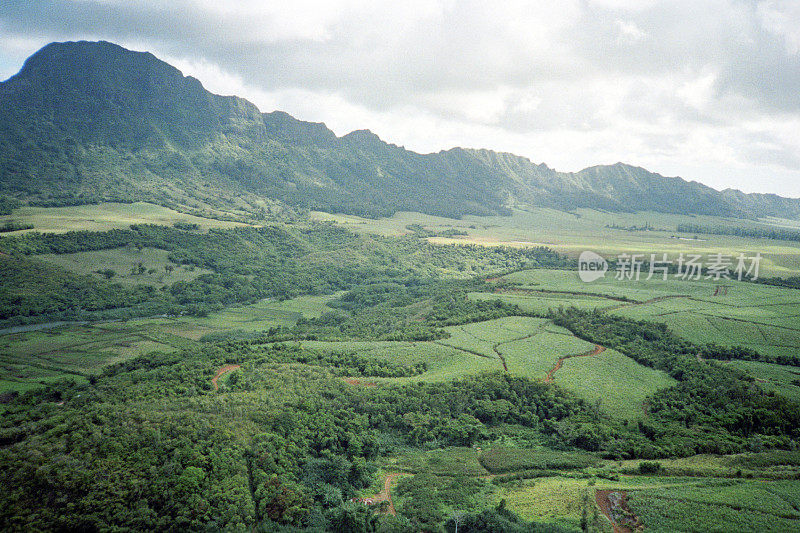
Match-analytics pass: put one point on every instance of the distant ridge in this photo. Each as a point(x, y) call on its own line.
point(90, 121)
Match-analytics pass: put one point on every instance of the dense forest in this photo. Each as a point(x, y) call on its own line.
point(782, 234)
point(148, 444)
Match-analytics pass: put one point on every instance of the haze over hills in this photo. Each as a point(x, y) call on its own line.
point(88, 121)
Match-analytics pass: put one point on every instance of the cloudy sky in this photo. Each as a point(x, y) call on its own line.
point(707, 90)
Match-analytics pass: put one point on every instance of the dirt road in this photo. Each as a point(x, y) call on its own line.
point(223, 370)
point(597, 350)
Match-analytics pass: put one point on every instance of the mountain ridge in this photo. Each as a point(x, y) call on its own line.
point(88, 121)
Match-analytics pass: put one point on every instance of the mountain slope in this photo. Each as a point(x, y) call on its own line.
point(88, 121)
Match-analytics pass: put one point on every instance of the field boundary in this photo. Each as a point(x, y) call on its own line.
point(597, 350)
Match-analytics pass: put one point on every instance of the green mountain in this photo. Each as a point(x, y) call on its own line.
point(89, 121)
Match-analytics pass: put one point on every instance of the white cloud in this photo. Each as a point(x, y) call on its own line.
point(629, 31)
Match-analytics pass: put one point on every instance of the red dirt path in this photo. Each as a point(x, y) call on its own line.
point(385, 495)
point(601, 496)
point(597, 350)
point(354, 381)
point(223, 370)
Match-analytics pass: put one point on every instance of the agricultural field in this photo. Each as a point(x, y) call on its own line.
point(524, 346)
point(452, 461)
point(502, 459)
point(556, 500)
point(444, 362)
point(104, 217)
point(32, 358)
point(614, 382)
point(784, 380)
point(264, 315)
point(555, 485)
point(761, 317)
point(536, 355)
point(719, 505)
point(588, 229)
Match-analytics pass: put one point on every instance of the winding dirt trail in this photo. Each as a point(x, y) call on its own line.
point(646, 302)
point(386, 493)
point(220, 372)
point(597, 350)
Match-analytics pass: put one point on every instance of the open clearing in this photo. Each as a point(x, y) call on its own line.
point(124, 263)
point(104, 216)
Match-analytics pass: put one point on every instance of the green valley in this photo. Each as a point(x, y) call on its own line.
point(218, 319)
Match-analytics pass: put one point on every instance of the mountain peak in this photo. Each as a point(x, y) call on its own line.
point(75, 59)
point(363, 134)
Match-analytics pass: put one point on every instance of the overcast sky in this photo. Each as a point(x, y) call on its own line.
point(707, 90)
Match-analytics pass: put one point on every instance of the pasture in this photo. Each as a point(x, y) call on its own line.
point(125, 264)
point(105, 216)
point(582, 229)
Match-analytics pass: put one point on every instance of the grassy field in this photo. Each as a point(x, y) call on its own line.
point(618, 384)
point(123, 261)
point(573, 232)
point(761, 317)
point(103, 217)
point(558, 500)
